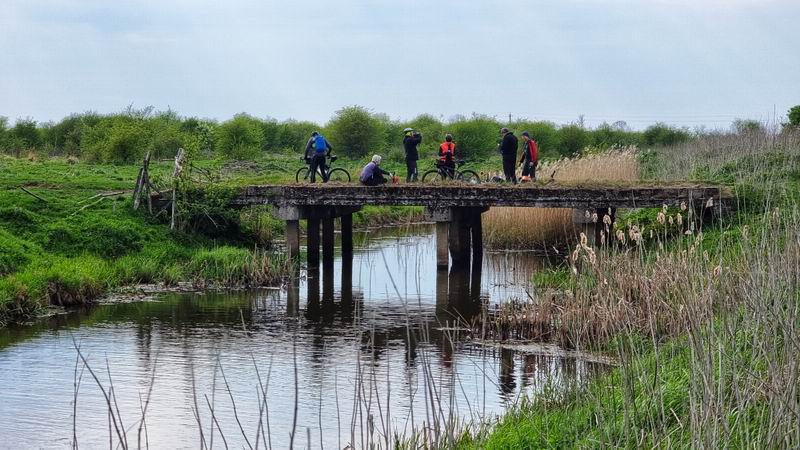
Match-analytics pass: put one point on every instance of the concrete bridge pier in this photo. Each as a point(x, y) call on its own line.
point(596, 223)
point(458, 234)
point(317, 217)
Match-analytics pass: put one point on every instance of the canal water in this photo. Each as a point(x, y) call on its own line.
point(374, 349)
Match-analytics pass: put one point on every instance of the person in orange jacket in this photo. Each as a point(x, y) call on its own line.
point(530, 157)
point(447, 155)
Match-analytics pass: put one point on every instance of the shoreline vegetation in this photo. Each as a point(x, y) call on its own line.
point(703, 318)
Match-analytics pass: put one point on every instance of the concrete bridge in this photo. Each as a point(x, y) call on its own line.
point(457, 209)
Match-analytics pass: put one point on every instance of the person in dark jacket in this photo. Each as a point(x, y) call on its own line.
point(411, 141)
point(508, 148)
point(530, 157)
point(316, 156)
point(372, 174)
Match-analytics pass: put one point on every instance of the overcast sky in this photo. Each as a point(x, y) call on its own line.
point(688, 62)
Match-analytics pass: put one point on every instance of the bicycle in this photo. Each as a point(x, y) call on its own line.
point(336, 174)
point(442, 173)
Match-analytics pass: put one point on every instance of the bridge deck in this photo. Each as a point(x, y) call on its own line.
point(445, 196)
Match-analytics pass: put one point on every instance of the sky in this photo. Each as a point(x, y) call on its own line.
point(684, 62)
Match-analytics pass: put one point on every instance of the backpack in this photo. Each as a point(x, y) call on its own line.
point(320, 145)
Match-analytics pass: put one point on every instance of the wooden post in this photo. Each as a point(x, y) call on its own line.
point(312, 241)
point(293, 238)
point(442, 253)
point(176, 173)
point(347, 236)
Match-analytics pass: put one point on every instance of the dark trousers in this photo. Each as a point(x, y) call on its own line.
point(318, 161)
point(529, 170)
point(510, 168)
point(375, 180)
point(448, 167)
point(411, 168)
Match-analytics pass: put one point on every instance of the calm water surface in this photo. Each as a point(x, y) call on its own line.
point(367, 351)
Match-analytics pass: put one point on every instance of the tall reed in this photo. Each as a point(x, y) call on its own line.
point(525, 228)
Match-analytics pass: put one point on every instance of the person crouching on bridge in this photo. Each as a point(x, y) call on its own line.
point(372, 174)
point(508, 148)
point(447, 155)
point(411, 141)
point(317, 149)
point(530, 157)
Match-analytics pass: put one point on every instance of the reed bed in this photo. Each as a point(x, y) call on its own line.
point(525, 228)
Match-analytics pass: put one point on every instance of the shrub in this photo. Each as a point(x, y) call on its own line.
point(240, 138)
point(664, 135)
point(573, 139)
point(794, 116)
point(293, 135)
point(432, 130)
point(355, 132)
point(475, 137)
point(117, 138)
point(545, 134)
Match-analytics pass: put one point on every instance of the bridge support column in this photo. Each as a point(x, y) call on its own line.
point(293, 238)
point(597, 224)
point(327, 245)
point(442, 255)
point(347, 236)
point(459, 240)
point(312, 241)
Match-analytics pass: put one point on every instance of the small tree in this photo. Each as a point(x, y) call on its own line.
point(25, 135)
point(794, 116)
point(355, 132)
point(240, 138)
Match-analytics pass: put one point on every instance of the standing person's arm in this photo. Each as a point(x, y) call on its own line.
point(328, 144)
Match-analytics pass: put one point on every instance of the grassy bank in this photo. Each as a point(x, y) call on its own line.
point(68, 232)
point(703, 321)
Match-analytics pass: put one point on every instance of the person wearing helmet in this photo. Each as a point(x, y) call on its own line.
point(372, 174)
point(447, 155)
point(317, 150)
point(530, 157)
point(411, 140)
point(508, 148)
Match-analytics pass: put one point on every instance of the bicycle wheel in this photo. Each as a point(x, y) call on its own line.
point(301, 175)
point(432, 176)
point(339, 175)
point(469, 177)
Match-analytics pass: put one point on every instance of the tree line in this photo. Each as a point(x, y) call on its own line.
point(354, 131)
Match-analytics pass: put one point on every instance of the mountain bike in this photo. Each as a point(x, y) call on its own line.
point(336, 174)
point(443, 173)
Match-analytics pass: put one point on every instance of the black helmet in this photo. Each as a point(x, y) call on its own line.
point(314, 133)
point(448, 137)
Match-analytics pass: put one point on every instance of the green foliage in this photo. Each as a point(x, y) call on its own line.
point(15, 253)
point(794, 116)
point(94, 234)
point(432, 129)
point(354, 131)
point(475, 137)
point(573, 139)
point(240, 138)
point(747, 126)
point(664, 135)
point(24, 135)
point(293, 135)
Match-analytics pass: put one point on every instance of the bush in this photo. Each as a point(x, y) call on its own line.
point(573, 139)
point(24, 135)
point(475, 137)
point(794, 116)
point(293, 135)
point(664, 135)
point(544, 133)
point(240, 138)
point(355, 132)
point(432, 130)
point(117, 138)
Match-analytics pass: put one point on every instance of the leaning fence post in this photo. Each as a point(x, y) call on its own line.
point(176, 173)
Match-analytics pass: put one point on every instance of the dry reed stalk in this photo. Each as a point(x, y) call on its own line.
point(530, 227)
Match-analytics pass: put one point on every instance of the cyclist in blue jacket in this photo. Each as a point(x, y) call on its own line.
point(317, 149)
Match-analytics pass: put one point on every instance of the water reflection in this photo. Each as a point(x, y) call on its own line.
point(380, 326)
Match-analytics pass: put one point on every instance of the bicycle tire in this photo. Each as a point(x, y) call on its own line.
point(339, 175)
point(432, 176)
point(469, 177)
point(301, 175)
